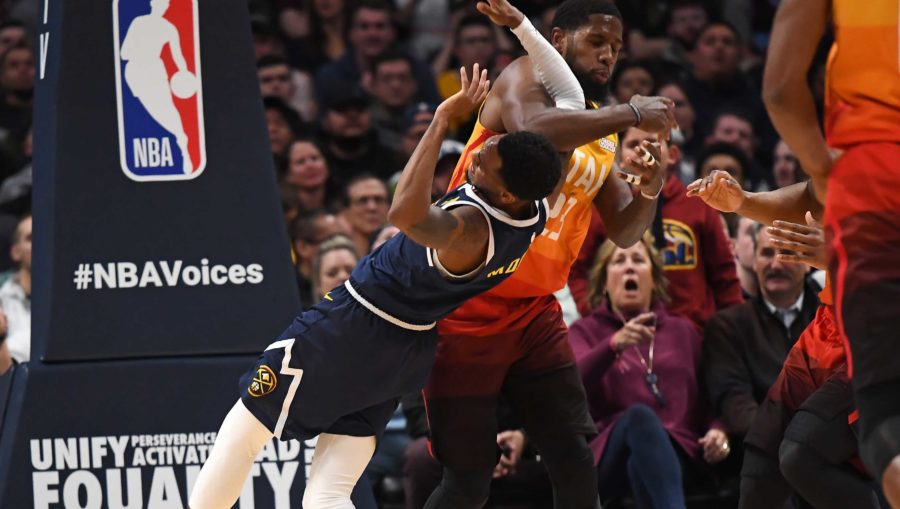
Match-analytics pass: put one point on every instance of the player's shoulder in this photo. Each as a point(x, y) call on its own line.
point(519, 72)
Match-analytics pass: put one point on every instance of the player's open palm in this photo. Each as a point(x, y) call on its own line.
point(470, 95)
point(501, 12)
point(720, 190)
point(800, 243)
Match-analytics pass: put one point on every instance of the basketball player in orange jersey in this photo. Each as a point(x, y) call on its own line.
point(861, 188)
point(513, 341)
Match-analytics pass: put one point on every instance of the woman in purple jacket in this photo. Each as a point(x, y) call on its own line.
point(639, 366)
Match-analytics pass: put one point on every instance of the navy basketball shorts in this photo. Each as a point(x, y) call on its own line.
point(337, 369)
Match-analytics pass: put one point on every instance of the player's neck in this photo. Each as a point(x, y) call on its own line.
point(519, 210)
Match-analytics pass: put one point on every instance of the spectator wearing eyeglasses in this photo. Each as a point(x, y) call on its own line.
point(640, 370)
point(366, 201)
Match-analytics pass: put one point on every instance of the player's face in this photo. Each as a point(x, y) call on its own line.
point(777, 280)
point(591, 51)
point(275, 81)
point(629, 279)
point(335, 269)
point(484, 171)
point(306, 166)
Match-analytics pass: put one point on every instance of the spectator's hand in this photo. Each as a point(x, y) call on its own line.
point(469, 96)
point(799, 243)
point(501, 12)
point(657, 113)
point(512, 443)
point(635, 332)
point(645, 165)
point(720, 190)
point(715, 446)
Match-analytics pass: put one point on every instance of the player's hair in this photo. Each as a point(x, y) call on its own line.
point(271, 61)
point(531, 166)
point(345, 192)
point(598, 276)
point(471, 20)
point(392, 55)
point(574, 14)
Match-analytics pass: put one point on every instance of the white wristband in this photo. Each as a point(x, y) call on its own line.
point(653, 196)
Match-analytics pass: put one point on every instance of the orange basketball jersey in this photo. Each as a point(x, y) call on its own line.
point(862, 101)
point(545, 267)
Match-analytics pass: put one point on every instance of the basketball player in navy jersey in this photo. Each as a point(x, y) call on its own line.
point(340, 367)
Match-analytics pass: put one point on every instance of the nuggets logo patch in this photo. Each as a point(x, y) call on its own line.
point(159, 89)
point(680, 252)
point(263, 383)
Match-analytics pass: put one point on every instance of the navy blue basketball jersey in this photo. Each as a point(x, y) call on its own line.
point(406, 280)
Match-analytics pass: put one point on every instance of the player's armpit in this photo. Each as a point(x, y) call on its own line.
point(460, 228)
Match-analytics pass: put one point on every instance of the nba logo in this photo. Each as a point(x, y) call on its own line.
point(159, 89)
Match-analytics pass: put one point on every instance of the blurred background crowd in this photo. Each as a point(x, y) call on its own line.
point(349, 87)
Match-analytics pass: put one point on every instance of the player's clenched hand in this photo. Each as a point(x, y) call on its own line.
point(469, 96)
point(657, 114)
point(645, 169)
point(798, 243)
point(720, 190)
point(501, 12)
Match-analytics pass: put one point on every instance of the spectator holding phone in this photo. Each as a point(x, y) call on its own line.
point(640, 370)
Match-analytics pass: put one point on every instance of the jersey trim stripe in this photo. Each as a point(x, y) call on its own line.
point(432, 255)
point(503, 217)
point(384, 316)
point(286, 369)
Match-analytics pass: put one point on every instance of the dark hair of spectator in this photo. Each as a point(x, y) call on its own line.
point(685, 4)
point(598, 275)
point(271, 61)
point(345, 193)
point(372, 5)
point(473, 20)
point(731, 112)
point(287, 113)
point(12, 23)
point(391, 55)
point(530, 165)
point(303, 228)
point(573, 14)
point(723, 148)
point(667, 81)
point(317, 38)
point(720, 23)
point(625, 65)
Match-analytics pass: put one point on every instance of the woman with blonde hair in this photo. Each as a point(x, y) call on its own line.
point(640, 370)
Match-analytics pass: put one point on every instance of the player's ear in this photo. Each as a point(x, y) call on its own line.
point(507, 197)
point(559, 39)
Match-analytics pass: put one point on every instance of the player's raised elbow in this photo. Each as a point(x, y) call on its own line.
point(399, 218)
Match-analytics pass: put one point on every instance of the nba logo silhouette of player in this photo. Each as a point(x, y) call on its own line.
point(165, 109)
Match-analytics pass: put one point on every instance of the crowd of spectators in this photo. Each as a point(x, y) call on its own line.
point(349, 87)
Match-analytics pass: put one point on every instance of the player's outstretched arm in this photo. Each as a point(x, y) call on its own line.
point(798, 28)
point(411, 210)
point(721, 191)
point(555, 74)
